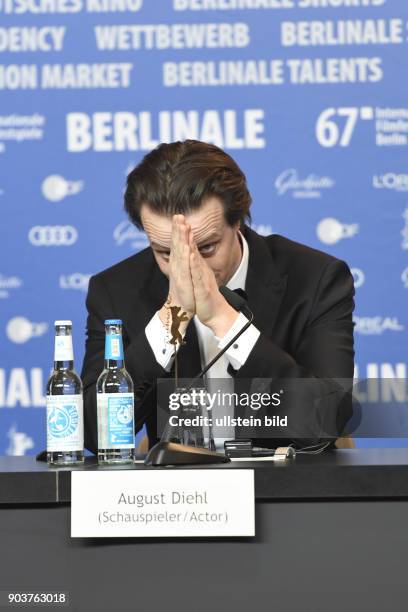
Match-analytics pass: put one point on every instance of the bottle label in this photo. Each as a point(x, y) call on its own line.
point(63, 348)
point(113, 346)
point(116, 427)
point(65, 423)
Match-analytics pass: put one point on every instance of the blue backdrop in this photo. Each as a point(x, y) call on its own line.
point(309, 96)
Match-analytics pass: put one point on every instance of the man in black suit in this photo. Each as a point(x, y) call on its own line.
point(191, 199)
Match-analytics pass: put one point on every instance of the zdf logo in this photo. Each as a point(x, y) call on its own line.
point(53, 235)
point(20, 330)
point(55, 188)
point(330, 230)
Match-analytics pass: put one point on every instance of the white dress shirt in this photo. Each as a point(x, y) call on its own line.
point(210, 344)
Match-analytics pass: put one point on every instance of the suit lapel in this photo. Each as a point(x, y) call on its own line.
point(153, 293)
point(264, 286)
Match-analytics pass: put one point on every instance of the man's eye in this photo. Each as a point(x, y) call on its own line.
point(164, 254)
point(207, 249)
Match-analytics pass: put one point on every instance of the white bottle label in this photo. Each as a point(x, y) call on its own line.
point(116, 428)
point(65, 423)
point(63, 350)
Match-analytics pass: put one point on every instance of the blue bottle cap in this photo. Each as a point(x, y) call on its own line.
point(113, 322)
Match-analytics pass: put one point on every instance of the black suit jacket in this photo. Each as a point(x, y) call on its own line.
point(302, 300)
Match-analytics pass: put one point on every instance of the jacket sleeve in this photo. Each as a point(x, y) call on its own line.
point(322, 365)
point(139, 359)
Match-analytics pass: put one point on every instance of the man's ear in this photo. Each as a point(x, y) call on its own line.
point(236, 226)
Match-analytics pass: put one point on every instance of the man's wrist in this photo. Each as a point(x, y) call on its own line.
point(223, 320)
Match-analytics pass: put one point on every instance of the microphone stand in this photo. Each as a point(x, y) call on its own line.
point(171, 453)
point(221, 353)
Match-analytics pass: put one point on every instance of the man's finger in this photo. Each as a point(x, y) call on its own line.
point(173, 238)
point(177, 237)
point(191, 240)
point(183, 235)
point(196, 269)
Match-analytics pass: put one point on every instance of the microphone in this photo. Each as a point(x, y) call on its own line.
point(168, 453)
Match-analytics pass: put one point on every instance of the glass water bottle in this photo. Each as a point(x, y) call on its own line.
point(115, 402)
point(64, 403)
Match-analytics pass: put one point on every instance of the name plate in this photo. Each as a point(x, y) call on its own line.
point(162, 503)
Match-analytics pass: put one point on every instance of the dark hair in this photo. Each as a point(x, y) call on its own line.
point(176, 178)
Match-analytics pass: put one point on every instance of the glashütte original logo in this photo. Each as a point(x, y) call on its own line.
point(391, 180)
point(55, 188)
point(375, 326)
point(7, 284)
point(63, 420)
point(309, 187)
point(330, 230)
point(126, 232)
point(53, 235)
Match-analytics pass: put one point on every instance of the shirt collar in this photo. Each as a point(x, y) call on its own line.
point(238, 279)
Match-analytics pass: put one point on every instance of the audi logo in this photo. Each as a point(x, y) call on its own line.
point(53, 235)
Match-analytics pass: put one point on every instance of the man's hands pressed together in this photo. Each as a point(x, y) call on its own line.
point(192, 284)
point(211, 307)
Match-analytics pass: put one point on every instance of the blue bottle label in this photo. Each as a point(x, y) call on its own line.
point(114, 347)
point(115, 420)
point(65, 427)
